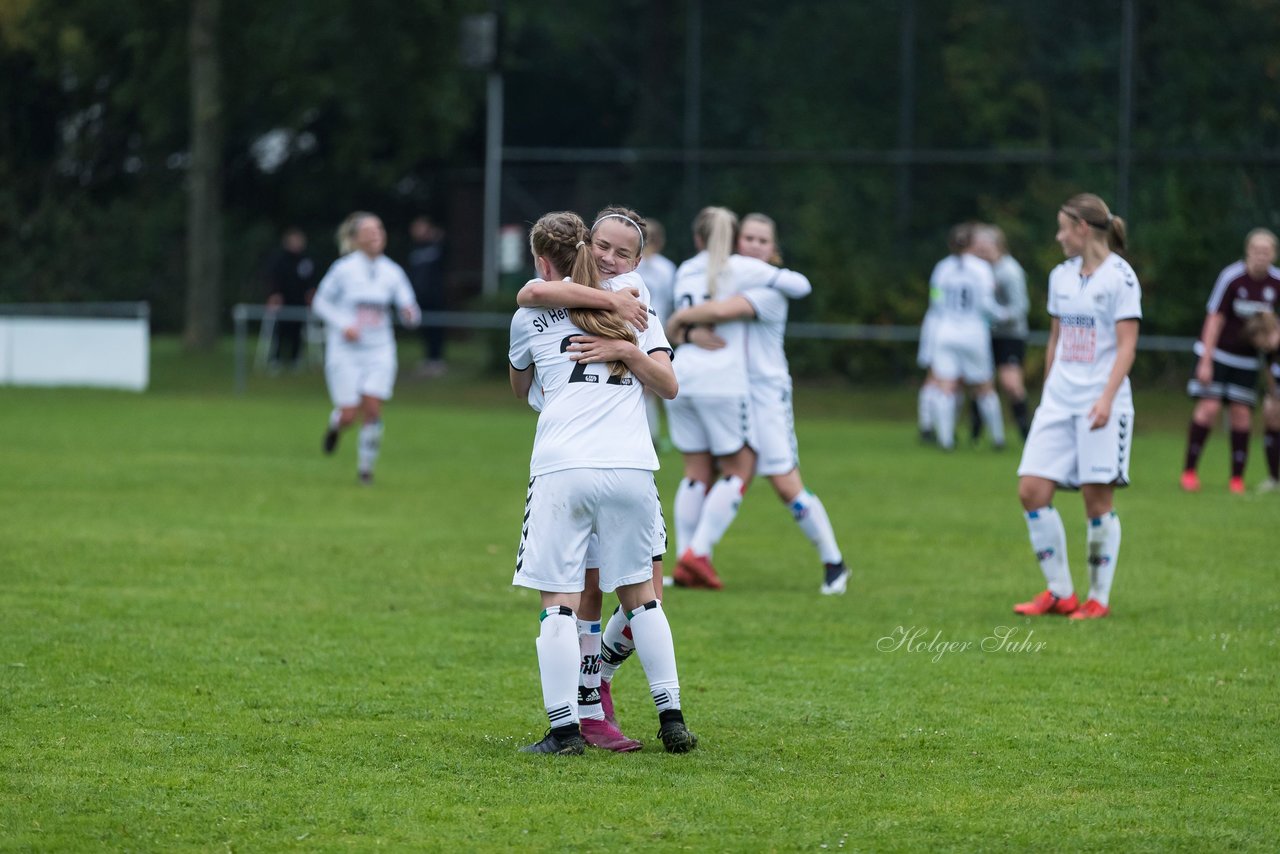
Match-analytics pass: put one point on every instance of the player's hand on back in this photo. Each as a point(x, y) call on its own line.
point(705, 337)
point(627, 304)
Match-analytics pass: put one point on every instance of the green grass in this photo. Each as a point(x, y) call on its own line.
point(212, 639)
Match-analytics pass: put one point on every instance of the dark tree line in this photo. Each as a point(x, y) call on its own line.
point(801, 111)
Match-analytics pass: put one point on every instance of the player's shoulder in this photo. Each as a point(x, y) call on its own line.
point(1121, 270)
point(388, 264)
point(1069, 267)
point(1232, 271)
point(695, 265)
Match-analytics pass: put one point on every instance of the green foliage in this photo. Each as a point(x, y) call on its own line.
point(214, 639)
point(800, 117)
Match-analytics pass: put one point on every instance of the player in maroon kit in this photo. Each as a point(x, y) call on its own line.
point(1227, 369)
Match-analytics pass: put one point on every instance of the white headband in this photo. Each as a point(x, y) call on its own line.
point(626, 219)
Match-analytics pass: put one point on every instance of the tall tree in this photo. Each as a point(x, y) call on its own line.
point(204, 205)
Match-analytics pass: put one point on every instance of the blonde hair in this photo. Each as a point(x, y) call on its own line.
point(346, 233)
point(1093, 212)
point(1260, 328)
point(776, 258)
point(563, 239)
point(717, 230)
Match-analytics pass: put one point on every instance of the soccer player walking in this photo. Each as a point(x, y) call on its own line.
point(1082, 430)
point(591, 472)
point(356, 299)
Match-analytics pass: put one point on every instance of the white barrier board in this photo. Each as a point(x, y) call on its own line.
point(75, 351)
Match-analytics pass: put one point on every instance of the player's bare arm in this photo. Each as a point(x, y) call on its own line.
point(521, 381)
point(626, 302)
point(1126, 351)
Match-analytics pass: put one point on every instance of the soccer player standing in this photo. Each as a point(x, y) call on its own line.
point(1082, 430)
point(356, 299)
point(591, 472)
point(962, 296)
point(1227, 368)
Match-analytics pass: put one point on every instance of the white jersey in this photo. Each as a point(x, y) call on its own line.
point(626, 280)
point(589, 419)
point(766, 351)
point(1011, 294)
point(362, 292)
point(1087, 309)
point(659, 273)
point(723, 372)
point(962, 294)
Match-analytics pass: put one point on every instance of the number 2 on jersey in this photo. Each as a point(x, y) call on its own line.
point(580, 375)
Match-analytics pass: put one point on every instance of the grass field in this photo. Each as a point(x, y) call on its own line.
point(212, 639)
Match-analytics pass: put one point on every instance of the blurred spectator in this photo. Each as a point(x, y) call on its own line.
point(290, 282)
point(426, 273)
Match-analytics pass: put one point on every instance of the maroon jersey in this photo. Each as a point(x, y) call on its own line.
point(1237, 297)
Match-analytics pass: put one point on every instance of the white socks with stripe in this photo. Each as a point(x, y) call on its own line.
point(617, 645)
point(657, 653)
point(1104, 547)
point(690, 496)
point(944, 418)
point(370, 443)
point(1049, 541)
point(718, 513)
point(558, 664)
point(589, 671)
point(811, 516)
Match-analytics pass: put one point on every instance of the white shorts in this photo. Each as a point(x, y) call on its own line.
point(564, 508)
point(1062, 448)
point(966, 358)
point(720, 425)
point(659, 548)
point(352, 375)
point(778, 451)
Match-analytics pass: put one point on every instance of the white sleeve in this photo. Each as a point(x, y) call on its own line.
point(770, 304)
point(1128, 296)
point(1016, 283)
point(403, 296)
point(991, 307)
point(520, 352)
point(1051, 301)
point(327, 304)
point(655, 337)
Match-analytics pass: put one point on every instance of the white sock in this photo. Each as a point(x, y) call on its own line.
point(1049, 541)
point(1103, 539)
point(657, 654)
point(944, 418)
point(334, 417)
point(558, 664)
point(690, 496)
point(651, 407)
point(924, 408)
point(370, 443)
point(617, 645)
point(718, 513)
point(811, 516)
point(992, 417)
point(589, 671)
